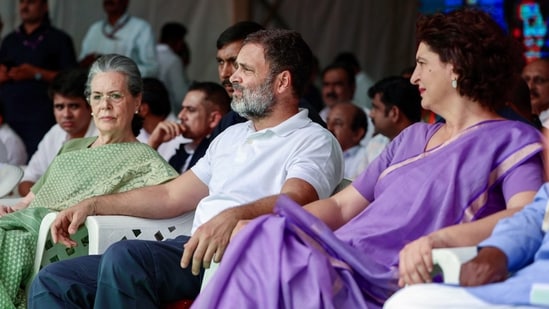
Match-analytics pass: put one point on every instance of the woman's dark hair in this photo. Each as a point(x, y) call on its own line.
point(484, 57)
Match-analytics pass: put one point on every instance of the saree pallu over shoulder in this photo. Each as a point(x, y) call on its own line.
point(474, 162)
point(78, 174)
point(518, 145)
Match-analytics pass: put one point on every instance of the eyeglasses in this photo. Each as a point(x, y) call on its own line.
point(112, 97)
point(536, 80)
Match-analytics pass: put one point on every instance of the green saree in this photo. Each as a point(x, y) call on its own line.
point(78, 172)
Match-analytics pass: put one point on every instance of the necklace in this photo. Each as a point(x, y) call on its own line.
point(118, 26)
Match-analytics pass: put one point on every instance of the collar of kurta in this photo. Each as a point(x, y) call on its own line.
point(110, 31)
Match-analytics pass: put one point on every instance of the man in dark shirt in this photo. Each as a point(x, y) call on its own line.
point(30, 57)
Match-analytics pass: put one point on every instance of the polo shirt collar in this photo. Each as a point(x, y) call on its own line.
point(297, 121)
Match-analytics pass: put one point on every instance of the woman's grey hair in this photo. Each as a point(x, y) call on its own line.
point(120, 64)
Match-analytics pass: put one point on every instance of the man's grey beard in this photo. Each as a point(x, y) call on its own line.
point(255, 103)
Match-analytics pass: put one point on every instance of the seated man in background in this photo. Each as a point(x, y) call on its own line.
point(396, 104)
point(349, 125)
point(73, 116)
point(363, 82)
point(155, 108)
point(518, 245)
point(202, 109)
point(338, 85)
point(245, 169)
point(14, 152)
point(536, 75)
point(519, 106)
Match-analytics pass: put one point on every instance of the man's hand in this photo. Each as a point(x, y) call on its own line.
point(490, 265)
point(22, 72)
point(3, 74)
point(416, 262)
point(69, 220)
point(209, 241)
point(239, 226)
point(165, 131)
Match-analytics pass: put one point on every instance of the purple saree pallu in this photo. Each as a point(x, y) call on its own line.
point(293, 260)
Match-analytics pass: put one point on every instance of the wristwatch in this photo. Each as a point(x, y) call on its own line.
point(38, 76)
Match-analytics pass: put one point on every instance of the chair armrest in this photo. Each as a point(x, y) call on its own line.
point(105, 230)
point(449, 260)
point(43, 234)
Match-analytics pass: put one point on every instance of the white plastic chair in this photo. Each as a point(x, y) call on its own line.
point(10, 175)
point(447, 262)
point(99, 232)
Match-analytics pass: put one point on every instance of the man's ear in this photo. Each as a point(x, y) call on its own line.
point(394, 114)
point(283, 82)
point(143, 109)
point(358, 135)
point(215, 118)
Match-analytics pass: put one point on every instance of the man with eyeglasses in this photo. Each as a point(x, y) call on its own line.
point(536, 75)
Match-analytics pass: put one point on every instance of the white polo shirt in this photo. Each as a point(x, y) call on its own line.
point(242, 164)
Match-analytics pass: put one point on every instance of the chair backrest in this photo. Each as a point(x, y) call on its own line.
point(10, 175)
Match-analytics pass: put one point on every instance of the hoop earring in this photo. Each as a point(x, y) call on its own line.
point(454, 83)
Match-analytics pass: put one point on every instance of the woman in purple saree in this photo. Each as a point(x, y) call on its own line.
point(438, 185)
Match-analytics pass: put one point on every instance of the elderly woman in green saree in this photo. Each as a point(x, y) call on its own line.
point(113, 161)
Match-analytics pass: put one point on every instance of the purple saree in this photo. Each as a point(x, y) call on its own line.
point(294, 261)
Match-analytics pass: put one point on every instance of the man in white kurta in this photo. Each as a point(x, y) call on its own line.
point(123, 34)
